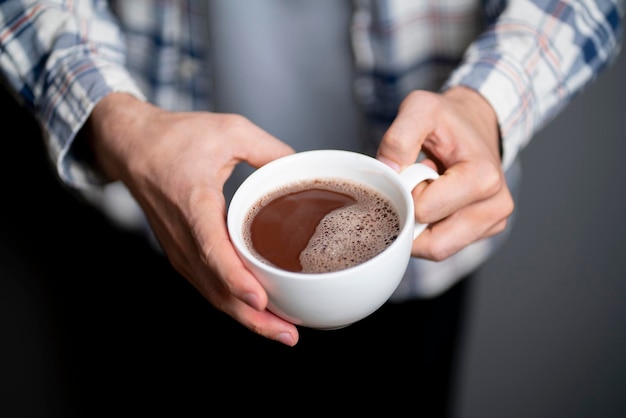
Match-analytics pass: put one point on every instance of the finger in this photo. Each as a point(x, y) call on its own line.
point(260, 147)
point(459, 186)
point(480, 220)
point(244, 300)
point(402, 142)
point(237, 280)
point(264, 323)
point(238, 293)
point(216, 251)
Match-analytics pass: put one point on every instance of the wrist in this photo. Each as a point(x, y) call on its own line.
point(109, 130)
point(480, 113)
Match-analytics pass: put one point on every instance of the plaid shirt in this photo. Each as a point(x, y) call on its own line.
point(527, 58)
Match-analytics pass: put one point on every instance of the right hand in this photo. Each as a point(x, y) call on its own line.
point(175, 164)
point(458, 132)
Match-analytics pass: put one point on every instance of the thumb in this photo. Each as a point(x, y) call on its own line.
point(262, 147)
point(402, 143)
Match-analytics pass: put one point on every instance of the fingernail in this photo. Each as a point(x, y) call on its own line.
point(390, 163)
point(285, 338)
point(253, 301)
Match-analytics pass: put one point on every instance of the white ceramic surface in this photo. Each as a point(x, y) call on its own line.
point(337, 299)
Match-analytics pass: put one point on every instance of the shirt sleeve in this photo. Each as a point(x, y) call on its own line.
point(535, 57)
point(60, 58)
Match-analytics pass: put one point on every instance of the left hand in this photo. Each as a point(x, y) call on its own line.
point(458, 133)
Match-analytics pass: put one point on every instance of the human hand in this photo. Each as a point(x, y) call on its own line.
point(175, 164)
point(458, 133)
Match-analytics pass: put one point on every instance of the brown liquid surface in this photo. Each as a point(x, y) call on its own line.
point(320, 226)
point(281, 230)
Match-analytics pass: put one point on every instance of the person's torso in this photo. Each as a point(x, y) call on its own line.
point(288, 67)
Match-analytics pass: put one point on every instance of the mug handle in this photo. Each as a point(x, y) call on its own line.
point(411, 177)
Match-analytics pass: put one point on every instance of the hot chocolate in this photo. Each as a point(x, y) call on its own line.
point(320, 226)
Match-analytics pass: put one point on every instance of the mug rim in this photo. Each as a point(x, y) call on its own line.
point(248, 256)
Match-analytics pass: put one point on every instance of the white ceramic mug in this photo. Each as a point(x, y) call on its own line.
point(335, 299)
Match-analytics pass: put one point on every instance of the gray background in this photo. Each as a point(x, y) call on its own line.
point(545, 335)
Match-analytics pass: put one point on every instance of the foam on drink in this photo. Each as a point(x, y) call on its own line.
point(320, 233)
